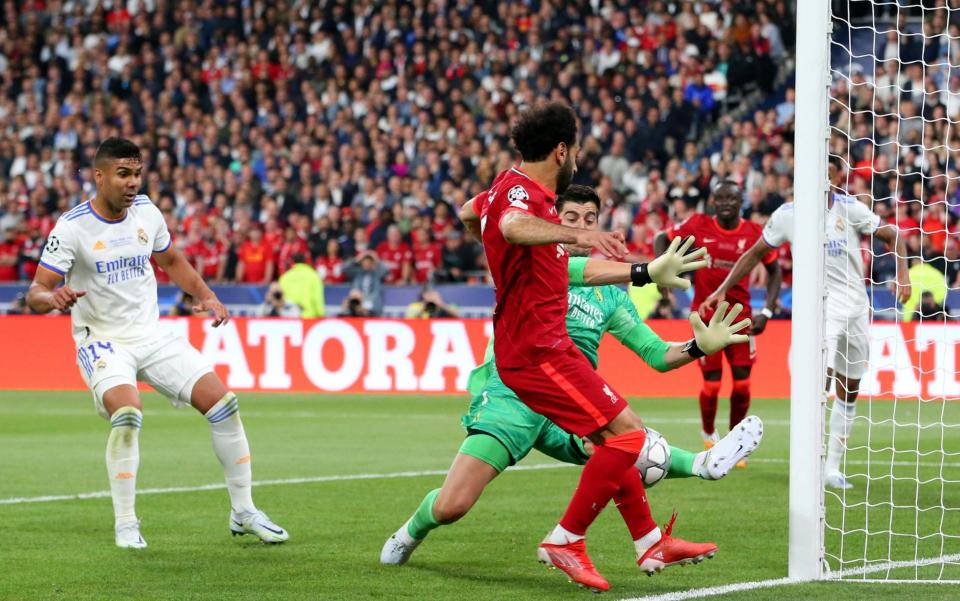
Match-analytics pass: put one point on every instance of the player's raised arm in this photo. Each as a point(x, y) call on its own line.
point(470, 217)
point(774, 280)
point(665, 270)
point(525, 229)
point(891, 235)
point(741, 269)
point(186, 277)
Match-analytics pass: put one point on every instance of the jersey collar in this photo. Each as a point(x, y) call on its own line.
point(93, 210)
point(735, 230)
point(552, 196)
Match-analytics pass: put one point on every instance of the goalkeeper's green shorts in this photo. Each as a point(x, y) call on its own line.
point(497, 413)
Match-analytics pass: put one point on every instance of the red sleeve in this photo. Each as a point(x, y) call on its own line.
point(381, 248)
point(687, 228)
point(520, 198)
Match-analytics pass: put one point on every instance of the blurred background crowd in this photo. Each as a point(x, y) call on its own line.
point(344, 135)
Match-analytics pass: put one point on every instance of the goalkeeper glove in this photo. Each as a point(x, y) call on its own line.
point(719, 334)
point(666, 269)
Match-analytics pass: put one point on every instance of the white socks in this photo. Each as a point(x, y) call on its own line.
point(562, 536)
point(123, 459)
point(646, 541)
point(841, 424)
point(231, 448)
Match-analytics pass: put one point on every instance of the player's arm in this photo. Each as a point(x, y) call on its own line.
point(774, 279)
point(186, 277)
point(891, 235)
point(665, 270)
point(44, 296)
point(522, 228)
point(741, 269)
point(471, 219)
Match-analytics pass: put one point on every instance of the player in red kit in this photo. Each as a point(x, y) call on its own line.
point(535, 357)
point(726, 237)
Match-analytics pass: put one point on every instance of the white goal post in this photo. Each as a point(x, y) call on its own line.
point(878, 97)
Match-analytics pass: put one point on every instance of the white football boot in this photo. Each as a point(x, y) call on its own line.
point(258, 524)
point(399, 547)
point(736, 446)
point(128, 536)
point(836, 479)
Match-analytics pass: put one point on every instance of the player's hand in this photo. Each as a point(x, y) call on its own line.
point(611, 244)
point(719, 333)
point(214, 307)
point(904, 291)
point(65, 297)
point(711, 302)
point(759, 324)
point(666, 269)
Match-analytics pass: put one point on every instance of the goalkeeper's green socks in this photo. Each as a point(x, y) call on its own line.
point(684, 464)
point(422, 521)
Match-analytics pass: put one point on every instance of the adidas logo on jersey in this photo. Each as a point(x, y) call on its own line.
point(99, 245)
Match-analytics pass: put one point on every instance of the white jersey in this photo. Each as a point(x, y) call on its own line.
point(110, 261)
point(846, 220)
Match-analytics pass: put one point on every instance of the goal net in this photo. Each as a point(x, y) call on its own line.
point(893, 133)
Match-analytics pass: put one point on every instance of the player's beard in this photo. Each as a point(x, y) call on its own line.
point(565, 175)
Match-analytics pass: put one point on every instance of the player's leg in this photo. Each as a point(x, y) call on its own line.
point(110, 371)
point(481, 459)
point(711, 368)
point(741, 358)
point(849, 361)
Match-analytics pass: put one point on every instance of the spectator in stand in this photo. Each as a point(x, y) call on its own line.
point(255, 260)
point(275, 305)
point(291, 246)
point(367, 274)
point(426, 256)
point(9, 257)
point(457, 259)
point(329, 265)
point(302, 286)
point(396, 256)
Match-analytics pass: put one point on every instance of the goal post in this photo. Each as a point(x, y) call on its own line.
point(807, 364)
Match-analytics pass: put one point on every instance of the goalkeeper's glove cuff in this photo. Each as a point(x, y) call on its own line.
point(640, 274)
point(693, 349)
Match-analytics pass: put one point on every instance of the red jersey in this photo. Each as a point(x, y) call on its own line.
point(255, 258)
point(393, 259)
point(206, 256)
point(330, 270)
point(529, 322)
point(724, 247)
point(9, 252)
point(288, 249)
point(426, 259)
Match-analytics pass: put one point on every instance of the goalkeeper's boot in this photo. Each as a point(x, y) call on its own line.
point(733, 448)
point(709, 439)
point(128, 535)
point(573, 560)
point(399, 547)
point(671, 551)
point(836, 479)
point(258, 524)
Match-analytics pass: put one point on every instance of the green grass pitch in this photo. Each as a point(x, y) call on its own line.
point(52, 444)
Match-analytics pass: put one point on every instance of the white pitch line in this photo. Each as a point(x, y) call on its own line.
point(842, 576)
point(100, 494)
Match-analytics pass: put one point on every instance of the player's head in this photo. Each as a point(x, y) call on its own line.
point(118, 169)
point(547, 134)
point(727, 198)
point(837, 173)
point(579, 206)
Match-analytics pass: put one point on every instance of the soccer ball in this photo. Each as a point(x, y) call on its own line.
point(654, 459)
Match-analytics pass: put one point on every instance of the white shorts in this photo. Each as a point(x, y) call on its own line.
point(168, 363)
point(848, 345)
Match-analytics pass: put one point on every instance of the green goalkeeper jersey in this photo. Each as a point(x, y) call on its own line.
point(592, 311)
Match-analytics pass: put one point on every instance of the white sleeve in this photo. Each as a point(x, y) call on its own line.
point(861, 218)
point(161, 237)
point(59, 253)
point(777, 230)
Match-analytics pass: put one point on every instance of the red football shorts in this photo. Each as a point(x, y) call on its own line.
point(738, 355)
point(565, 389)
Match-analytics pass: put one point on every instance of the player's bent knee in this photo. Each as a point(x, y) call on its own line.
point(207, 392)
point(450, 510)
point(120, 396)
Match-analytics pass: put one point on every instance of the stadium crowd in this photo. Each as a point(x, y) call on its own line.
point(348, 130)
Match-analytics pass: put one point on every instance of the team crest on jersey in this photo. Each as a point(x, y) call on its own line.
point(517, 195)
point(607, 391)
point(53, 244)
point(839, 225)
point(99, 245)
point(142, 236)
point(742, 242)
point(599, 294)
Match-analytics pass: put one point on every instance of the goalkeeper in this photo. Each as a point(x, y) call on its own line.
point(501, 430)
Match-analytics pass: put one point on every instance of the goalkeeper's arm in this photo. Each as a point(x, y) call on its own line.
point(665, 270)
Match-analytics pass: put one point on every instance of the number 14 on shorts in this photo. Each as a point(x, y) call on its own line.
point(90, 355)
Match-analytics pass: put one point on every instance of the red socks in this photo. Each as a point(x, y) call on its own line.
point(631, 500)
point(739, 401)
point(708, 404)
point(606, 473)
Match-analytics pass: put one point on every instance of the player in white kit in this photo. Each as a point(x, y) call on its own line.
point(101, 251)
point(847, 306)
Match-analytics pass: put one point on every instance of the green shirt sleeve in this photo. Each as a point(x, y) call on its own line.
point(627, 327)
point(575, 267)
